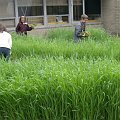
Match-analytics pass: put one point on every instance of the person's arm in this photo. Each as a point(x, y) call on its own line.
point(10, 41)
point(83, 25)
point(29, 28)
point(78, 30)
point(18, 28)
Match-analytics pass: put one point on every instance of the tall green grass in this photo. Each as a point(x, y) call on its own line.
point(59, 89)
point(57, 44)
point(53, 78)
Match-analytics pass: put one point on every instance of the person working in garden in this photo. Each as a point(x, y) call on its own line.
point(23, 26)
point(5, 42)
point(80, 29)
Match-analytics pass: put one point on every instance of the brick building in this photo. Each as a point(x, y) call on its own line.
point(110, 15)
point(61, 12)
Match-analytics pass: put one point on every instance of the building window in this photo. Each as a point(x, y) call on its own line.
point(57, 11)
point(33, 9)
point(77, 9)
point(7, 13)
point(30, 11)
point(93, 9)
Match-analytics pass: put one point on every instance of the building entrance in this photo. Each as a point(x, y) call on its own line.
point(93, 9)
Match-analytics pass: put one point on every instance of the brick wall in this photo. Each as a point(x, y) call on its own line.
point(110, 15)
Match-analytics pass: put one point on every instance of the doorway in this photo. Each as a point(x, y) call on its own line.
point(93, 9)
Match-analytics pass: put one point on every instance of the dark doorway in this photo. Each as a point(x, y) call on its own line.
point(93, 9)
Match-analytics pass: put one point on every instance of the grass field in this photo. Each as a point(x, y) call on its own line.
point(53, 78)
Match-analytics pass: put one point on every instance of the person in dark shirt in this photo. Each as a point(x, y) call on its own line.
point(22, 26)
point(80, 29)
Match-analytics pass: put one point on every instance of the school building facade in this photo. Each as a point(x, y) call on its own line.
point(61, 12)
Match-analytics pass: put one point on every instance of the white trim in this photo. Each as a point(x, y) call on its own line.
point(16, 12)
point(8, 18)
point(83, 6)
point(60, 15)
point(70, 3)
point(45, 12)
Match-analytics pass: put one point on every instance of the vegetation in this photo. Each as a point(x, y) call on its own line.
point(53, 78)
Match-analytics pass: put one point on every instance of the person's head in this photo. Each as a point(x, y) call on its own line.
point(84, 17)
point(22, 19)
point(2, 28)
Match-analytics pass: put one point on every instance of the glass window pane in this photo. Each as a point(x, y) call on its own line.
point(29, 2)
point(57, 7)
point(30, 7)
point(57, 10)
point(77, 12)
point(35, 20)
point(93, 10)
point(30, 11)
point(77, 2)
point(77, 9)
point(56, 2)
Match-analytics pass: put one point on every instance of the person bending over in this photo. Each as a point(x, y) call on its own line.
point(5, 42)
point(80, 29)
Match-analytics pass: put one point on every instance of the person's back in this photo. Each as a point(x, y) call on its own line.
point(5, 42)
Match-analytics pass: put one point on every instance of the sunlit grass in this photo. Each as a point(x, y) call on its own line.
point(53, 78)
point(102, 45)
